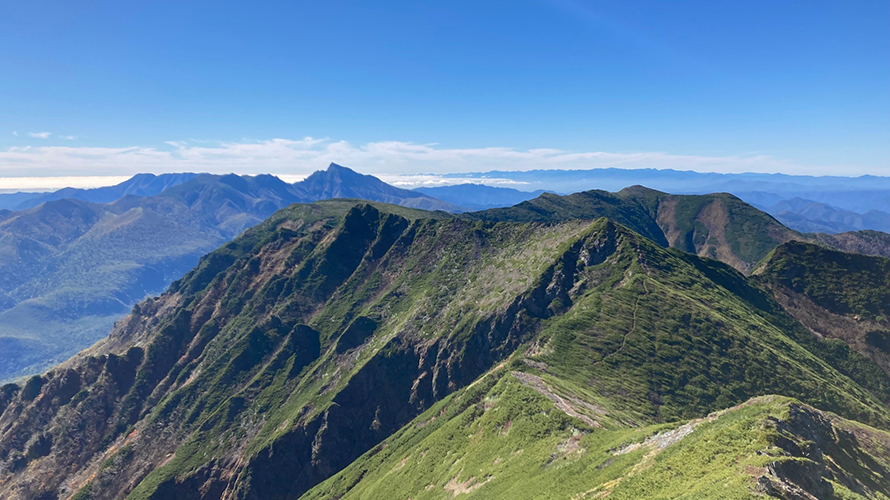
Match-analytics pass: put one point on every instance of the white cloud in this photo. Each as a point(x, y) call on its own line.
point(299, 157)
point(39, 184)
point(15, 133)
point(40, 135)
point(411, 181)
point(68, 137)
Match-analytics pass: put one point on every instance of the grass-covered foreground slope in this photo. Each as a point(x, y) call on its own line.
point(505, 438)
point(292, 351)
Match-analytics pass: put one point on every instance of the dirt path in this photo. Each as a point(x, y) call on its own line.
point(633, 325)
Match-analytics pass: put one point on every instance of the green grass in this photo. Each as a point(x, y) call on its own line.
point(501, 439)
point(843, 283)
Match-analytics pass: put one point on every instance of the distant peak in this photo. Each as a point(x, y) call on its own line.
point(341, 172)
point(636, 188)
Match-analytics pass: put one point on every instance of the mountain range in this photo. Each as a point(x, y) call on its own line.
point(473, 197)
point(831, 204)
point(78, 260)
point(72, 267)
point(138, 185)
point(812, 216)
point(351, 349)
point(857, 194)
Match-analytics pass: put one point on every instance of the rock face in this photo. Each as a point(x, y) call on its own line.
point(287, 354)
point(818, 450)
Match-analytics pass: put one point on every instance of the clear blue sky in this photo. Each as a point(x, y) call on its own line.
point(807, 82)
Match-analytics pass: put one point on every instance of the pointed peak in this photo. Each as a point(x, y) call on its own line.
point(235, 181)
point(141, 176)
point(333, 167)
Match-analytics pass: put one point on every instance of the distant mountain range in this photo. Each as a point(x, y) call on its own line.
point(834, 204)
point(77, 260)
point(138, 185)
point(858, 194)
point(830, 204)
point(335, 182)
point(813, 216)
point(471, 197)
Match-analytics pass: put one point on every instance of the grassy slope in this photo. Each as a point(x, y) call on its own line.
point(502, 439)
point(842, 298)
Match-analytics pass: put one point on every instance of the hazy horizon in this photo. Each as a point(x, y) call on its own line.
point(36, 184)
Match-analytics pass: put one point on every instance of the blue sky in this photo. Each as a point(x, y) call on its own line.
point(399, 86)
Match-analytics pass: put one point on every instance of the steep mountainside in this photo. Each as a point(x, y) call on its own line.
point(839, 296)
point(311, 339)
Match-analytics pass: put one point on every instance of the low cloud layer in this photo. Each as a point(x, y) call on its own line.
point(300, 157)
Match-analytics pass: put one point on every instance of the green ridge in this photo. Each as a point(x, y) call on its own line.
point(289, 353)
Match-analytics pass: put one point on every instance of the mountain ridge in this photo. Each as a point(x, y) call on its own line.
point(74, 266)
point(139, 185)
point(474, 197)
point(718, 225)
point(291, 351)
